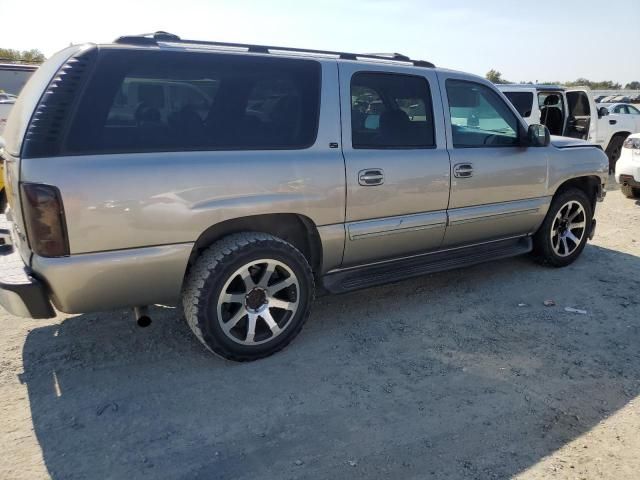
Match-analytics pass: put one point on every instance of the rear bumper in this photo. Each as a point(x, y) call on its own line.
point(20, 293)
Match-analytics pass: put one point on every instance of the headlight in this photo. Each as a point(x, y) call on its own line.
point(632, 143)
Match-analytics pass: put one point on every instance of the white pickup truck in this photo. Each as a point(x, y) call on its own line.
point(572, 113)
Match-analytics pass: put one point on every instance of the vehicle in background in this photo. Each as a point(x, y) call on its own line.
point(12, 78)
point(628, 167)
point(621, 108)
point(599, 98)
point(6, 103)
point(271, 170)
point(620, 99)
point(571, 113)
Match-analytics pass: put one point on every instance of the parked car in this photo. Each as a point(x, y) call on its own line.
point(571, 113)
point(620, 99)
point(6, 102)
point(305, 168)
point(628, 167)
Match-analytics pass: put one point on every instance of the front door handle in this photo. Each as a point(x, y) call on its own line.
point(463, 170)
point(612, 122)
point(371, 177)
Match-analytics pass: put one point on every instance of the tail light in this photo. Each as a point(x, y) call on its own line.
point(44, 220)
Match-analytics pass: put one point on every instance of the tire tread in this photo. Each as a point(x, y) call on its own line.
point(202, 273)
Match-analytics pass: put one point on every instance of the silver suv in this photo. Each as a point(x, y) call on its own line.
point(234, 179)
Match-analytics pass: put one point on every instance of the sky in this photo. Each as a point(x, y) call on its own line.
point(545, 40)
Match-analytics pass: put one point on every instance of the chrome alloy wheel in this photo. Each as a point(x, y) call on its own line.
point(568, 228)
point(258, 301)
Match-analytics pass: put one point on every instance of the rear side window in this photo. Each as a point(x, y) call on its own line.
point(391, 111)
point(169, 101)
point(523, 101)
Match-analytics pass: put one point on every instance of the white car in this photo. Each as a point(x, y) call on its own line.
point(572, 113)
point(622, 109)
point(628, 167)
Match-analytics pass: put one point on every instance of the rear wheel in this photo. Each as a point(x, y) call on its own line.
point(563, 234)
point(248, 296)
point(629, 191)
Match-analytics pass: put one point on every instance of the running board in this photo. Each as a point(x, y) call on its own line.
point(395, 270)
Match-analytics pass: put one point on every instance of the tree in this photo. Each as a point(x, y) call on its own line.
point(633, 85)
point(495, 76)
point(603, 85)
point(26, 56)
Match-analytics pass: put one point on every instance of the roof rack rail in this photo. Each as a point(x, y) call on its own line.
point(165, 37)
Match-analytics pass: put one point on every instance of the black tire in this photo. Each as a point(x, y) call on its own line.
point(614, 150)
point(216, 267)
point(630, 192)
point(543, 249)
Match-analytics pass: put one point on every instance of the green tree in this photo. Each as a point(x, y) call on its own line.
point(603, 85)
point(633, 85)
point(26, 56)
point(495, 76)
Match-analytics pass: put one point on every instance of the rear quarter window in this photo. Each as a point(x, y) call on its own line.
point(140, 101)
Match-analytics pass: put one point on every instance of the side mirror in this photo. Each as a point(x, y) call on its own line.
point(603, 112)
point(538, 136)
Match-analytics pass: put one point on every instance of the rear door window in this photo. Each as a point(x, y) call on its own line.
point(391, 111)
point(169, 101)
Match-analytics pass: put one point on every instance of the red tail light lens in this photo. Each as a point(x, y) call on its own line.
point(44, 219)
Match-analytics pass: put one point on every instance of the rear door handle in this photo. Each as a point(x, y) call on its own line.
point(371, 177)
point(463, 170)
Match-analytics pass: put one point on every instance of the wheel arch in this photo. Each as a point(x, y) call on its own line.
point(589, 184)
point(296, 229)
point(621, 133)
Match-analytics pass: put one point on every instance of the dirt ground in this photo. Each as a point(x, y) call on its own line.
point(444, 376)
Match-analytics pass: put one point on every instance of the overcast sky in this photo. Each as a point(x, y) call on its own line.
point(542, 40)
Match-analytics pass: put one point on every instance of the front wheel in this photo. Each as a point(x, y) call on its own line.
point(248, 295)
point(563, 234)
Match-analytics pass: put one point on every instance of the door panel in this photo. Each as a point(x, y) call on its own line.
point(405, 211)
point(499, 187)
point(495, 220)
point(407, 233)
point(582, 115)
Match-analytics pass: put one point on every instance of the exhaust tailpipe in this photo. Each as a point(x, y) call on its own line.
point(142, 317)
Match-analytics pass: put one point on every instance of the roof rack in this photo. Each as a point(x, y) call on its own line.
point(165, 37)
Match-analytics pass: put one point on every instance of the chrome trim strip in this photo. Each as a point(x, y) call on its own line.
point(494, 215)
point(395, 225)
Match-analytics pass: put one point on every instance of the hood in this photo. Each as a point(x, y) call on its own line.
point(568, 142)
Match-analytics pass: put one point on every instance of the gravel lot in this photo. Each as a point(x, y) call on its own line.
point(444, 376)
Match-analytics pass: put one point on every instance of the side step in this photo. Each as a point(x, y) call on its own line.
point(395, 270)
